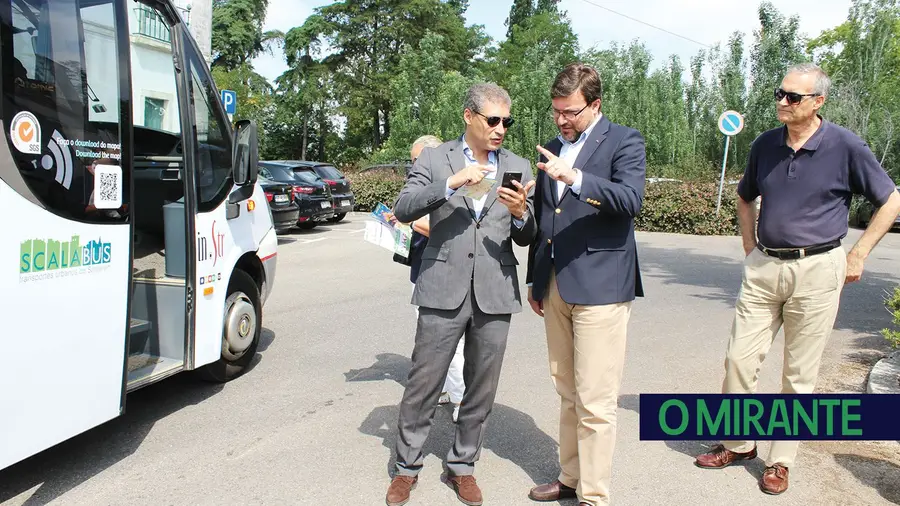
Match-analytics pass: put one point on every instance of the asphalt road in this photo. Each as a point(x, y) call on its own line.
point(314, 422)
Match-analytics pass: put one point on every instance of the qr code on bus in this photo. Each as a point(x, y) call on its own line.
point(107, 187)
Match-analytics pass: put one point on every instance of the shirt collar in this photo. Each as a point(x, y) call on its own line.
point(492, 155)
point(813, 142)
point(585, 134)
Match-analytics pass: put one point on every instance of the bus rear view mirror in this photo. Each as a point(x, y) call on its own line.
point(246, 153)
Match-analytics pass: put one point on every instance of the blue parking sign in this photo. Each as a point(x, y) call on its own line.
point(229, 100)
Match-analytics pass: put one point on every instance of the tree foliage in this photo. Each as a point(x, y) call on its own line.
point(366, 77)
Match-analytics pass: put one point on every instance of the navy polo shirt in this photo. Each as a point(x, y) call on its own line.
point(806, 194)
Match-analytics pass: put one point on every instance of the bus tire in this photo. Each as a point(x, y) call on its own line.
point(243, 320)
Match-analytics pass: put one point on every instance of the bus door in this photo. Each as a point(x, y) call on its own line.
point(161, 308)
point(65, 192)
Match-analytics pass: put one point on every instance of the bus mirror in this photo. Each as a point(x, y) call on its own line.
point(246, 153)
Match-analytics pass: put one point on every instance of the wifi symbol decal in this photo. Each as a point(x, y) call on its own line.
point(62, 159)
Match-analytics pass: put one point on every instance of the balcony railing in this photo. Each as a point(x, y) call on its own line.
point(149, 24)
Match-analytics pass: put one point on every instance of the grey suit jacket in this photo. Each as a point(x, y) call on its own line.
point(461, 249)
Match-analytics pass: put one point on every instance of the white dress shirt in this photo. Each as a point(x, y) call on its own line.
point(492, 162)
point(569, 152)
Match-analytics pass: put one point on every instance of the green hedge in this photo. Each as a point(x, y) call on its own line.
point(688, 208)
point(684, 208)
point(370, 189)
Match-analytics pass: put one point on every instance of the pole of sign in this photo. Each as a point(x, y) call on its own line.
point(722, 177)
point(730, 123)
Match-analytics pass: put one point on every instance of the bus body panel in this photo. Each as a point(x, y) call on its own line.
point(61, 378)
point(220, 244)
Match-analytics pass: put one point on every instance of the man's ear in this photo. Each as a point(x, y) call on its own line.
point(467, 116)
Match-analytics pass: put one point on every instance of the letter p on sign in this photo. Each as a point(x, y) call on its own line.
point(229, 100)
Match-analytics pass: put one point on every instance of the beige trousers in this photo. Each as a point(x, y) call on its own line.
point(586, 347)
point(802, 295)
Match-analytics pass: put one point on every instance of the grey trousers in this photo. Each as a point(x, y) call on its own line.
point(437, 334)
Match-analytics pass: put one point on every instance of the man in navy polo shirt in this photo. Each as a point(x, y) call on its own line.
point(795, 269)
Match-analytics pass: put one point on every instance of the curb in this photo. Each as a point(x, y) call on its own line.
point(885, 376)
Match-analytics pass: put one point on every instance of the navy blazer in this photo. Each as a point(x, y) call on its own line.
point(592, 234)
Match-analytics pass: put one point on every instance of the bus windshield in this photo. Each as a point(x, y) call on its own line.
point(60, 105)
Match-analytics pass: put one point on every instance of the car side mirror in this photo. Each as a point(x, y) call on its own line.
point(245, 158)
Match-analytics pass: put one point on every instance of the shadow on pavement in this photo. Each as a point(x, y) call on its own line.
point(61, 468)
point(881, 475)
point(511, 434)
point(861, 311)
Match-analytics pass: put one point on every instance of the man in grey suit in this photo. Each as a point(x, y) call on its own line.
point(467, 284)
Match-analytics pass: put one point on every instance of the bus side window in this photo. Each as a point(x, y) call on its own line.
point(214, 177)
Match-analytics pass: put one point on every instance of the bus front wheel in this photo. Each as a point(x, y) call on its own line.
point(241, 330)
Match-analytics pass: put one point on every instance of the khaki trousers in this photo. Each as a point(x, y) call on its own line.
point(802, 295)
point(586, 347)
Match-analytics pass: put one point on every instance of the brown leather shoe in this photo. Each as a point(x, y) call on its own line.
point(774, 480)
point(398, 492)
point(467, 490)
point(720, 457)
point(551, 492)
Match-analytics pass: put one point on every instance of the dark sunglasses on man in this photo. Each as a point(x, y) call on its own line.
point(493, 121)
point(793, 98)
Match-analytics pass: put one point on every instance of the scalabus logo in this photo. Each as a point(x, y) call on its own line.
point(41, 259)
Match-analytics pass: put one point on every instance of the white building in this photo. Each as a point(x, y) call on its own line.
point(198, 15)
point(155, 100)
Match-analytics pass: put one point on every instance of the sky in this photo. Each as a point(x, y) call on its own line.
point(704, 21)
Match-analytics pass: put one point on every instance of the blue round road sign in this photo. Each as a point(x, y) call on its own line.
point(731, 123)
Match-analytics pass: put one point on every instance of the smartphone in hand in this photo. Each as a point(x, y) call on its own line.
point(509, 177)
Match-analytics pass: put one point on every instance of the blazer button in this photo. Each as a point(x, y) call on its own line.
point(471, 255)
point(549, 241)
point(558, 210)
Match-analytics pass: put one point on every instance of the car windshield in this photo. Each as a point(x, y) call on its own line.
point(327, 171)
point(278, 173)
point(306, 175)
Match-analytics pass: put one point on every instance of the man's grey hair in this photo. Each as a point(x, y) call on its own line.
point(823, 82)
point(479, 95)
point(427, 141)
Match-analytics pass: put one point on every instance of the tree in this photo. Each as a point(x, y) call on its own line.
point(368, 38)
point(866, 74)
point(777, 46)
point(237, 35)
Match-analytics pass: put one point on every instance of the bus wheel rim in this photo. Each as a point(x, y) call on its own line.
point(240, 326)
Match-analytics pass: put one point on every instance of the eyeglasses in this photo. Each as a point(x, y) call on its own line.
point(493, 121)
point(569, 115)
point(793, 98)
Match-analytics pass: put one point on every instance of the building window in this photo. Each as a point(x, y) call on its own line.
point(154, 112)
point(151, 25)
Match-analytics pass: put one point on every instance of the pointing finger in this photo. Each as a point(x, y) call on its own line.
point(549, 155)
point(529, 186)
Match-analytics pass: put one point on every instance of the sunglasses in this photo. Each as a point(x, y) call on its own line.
point(793, 98)
point(493, 121)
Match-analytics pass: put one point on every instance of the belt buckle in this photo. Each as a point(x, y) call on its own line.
point(802, 252)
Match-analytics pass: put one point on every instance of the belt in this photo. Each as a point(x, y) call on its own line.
point(797, 253)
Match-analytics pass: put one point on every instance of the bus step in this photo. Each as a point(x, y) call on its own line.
point(144, 369)
point(138, 325)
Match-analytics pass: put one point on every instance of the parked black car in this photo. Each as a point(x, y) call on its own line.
point(342, 196)
point(311, 193)
point(285, 212)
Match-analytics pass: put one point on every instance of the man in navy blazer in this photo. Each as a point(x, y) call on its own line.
point(583, 275)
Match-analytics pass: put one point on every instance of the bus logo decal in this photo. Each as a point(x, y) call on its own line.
point(25, 133)
point(218, 246)
point(48, 258)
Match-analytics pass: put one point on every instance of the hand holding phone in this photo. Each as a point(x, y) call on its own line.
point(509, 177)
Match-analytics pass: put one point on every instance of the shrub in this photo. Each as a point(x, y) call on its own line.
point(683, 208)
point(688, 208)
point(371, 188)
point(893, 304)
